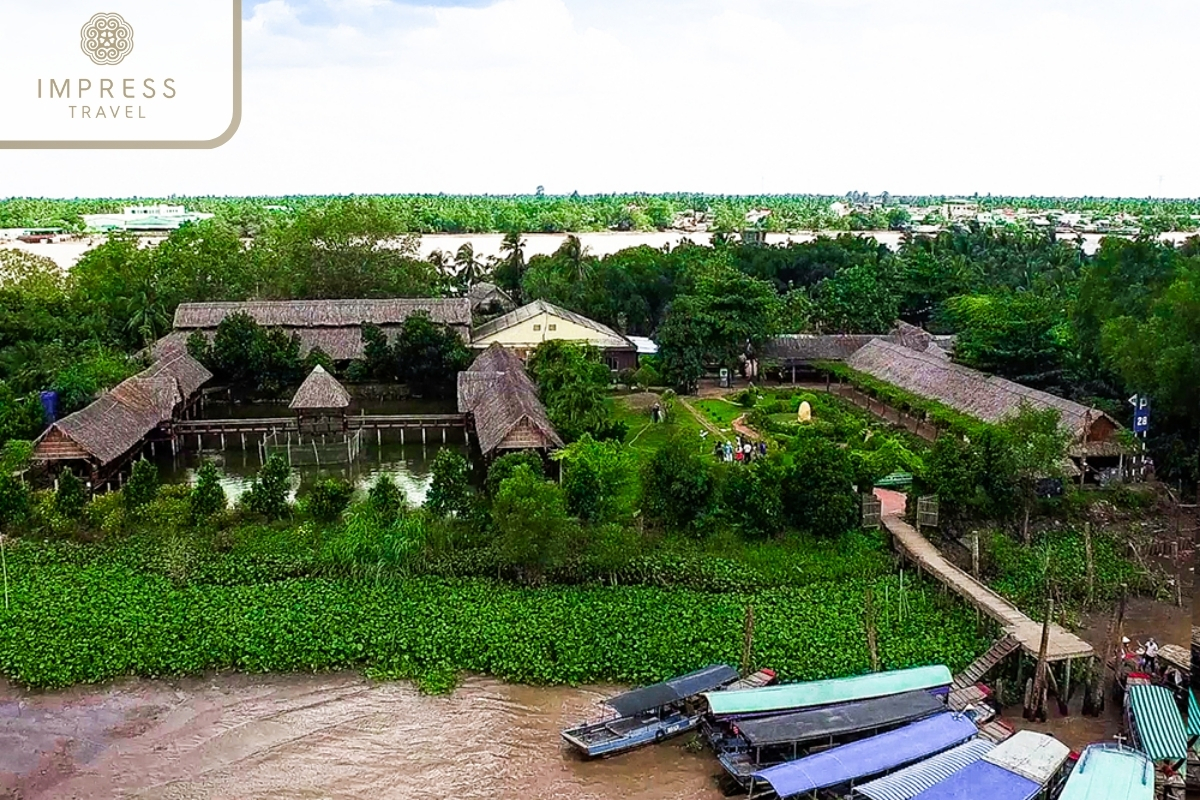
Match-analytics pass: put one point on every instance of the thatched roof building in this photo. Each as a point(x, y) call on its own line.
point(504, 404)
point(804, 349)
point(976, 394)
point(320, 390)
point(487, 297)
point(120, 420)
point(335, 326)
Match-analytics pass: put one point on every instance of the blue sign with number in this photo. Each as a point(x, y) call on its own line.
point(1141, 414)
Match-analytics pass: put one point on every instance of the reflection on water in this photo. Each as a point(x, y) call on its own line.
point(408, 465)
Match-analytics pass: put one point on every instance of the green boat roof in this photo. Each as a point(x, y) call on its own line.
point(828, 692)
point(1193, 715)
point(1110, 772)
point(1160, 732)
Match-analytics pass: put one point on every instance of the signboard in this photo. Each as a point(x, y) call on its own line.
point(724, 378)
point(1141, 413)
point(895, 479)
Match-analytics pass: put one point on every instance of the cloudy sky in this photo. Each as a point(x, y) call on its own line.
point(1061, 97)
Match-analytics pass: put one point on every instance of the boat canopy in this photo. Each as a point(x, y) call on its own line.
point(1031, 755)
point(841, 720)
point(1110, 772)
point(829, 692)
point(1160, 732)
point(1193, 716)
point(871, 756)
point(912, 780)
point(672, 691)
point(982, 779)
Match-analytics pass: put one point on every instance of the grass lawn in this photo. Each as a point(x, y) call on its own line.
point(720, 412)
point(646, 437)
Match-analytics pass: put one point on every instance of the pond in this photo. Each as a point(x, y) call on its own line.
point(406, 462)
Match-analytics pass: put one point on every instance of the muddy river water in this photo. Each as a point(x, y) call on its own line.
point(342, 736)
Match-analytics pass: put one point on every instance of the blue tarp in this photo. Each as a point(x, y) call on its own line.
point(869, 757)
point(979, 780)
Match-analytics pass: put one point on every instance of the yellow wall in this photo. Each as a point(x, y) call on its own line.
point(523, 334)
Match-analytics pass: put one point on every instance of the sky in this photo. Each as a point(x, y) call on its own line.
point(1057, 97)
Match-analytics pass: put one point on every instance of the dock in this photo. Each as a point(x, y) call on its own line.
point(1063, 645)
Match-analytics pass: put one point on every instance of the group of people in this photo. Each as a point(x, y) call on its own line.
point(743, 452)
point(1146, 654)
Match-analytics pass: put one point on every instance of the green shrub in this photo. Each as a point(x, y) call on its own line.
point(70, 496)
point(142, 485)
point(207, 498)
point(268, 495)
point(329, 498)
point(449, 489)
point(385, 497)
point(503, 468)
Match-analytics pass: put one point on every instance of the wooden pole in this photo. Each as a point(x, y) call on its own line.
point(4, 562)
point(869, 609)
point(747, 641)
point(975, 554)
point(1116, 651)
point(1035, 703)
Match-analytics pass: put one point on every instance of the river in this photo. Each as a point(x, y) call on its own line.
point(341, 736)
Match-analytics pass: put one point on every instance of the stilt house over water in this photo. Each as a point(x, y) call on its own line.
point(504, 404)
point(320, 404)
point(97, 441)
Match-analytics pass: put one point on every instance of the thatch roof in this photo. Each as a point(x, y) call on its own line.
point(326, 313)
point(985, 397)
point(503, 399)
point(119, 420)
point(320, 390)
point(808, 347)
point(486, 294)
point(605, 337)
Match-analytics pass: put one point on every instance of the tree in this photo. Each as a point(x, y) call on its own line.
point(677, 485)
point(207, 497)
point(449, 489)
point(858, 299)
point(142, 487)
point(235, 351)
point(14, 493)
point(329, 498)
point(429, 356)
point(503, 467)
point(817, 492)
point(377, 353)
point(468, 270)
point(750, 497)
point(598, 480)
point(1037, 448)
point(510, 270)
point(572, 382)
point(268, 495)
point(681, 345)
point(70, 496)
point(532, 523)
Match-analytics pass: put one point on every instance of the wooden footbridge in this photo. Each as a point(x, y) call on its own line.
point(266, 426)
point(1063, 645)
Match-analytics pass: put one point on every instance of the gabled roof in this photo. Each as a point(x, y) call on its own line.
point(320, 390)
point(483, 293)
point(985, 397)
point(326, 313)
point(607, 337)
point(500, 396)
point(109, 427)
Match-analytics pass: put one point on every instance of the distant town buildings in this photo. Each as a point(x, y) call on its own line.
point(143, 218)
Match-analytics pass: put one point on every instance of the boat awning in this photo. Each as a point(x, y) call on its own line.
point(661, 694)
point(840, 720)
point(796, 696)
point(1110, 772)
point(867, 757)
point(1160, 731)
point(982, 779)
point(911, 781)
point(1193, 715)
point(1035, 756)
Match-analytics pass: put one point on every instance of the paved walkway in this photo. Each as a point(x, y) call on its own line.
point(1063, 644)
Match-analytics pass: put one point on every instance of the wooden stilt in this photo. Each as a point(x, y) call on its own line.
point(443, 435)
point(422, 436)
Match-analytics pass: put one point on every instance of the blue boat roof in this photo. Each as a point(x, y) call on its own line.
point(661, 694)
point(912, 780)
point(871, 756)
point(982, 779)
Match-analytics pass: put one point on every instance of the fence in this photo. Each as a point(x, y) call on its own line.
point(297, 450)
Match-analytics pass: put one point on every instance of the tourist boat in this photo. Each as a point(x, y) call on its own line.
point(742, 704)
point(657, 712)
point(1156, 728)
point(1026, 766)
point(840, 769)
point(1110, 772)
point(746, 746)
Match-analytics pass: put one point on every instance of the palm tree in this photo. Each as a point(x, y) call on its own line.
point(468, 269)
point(510, 268)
